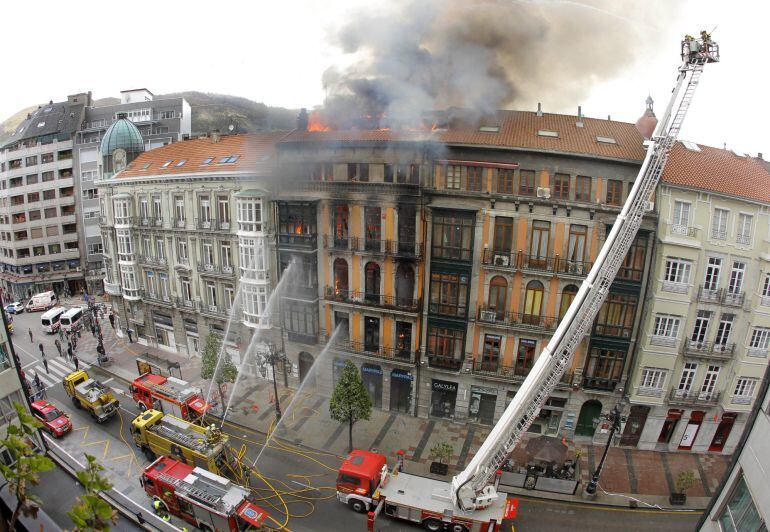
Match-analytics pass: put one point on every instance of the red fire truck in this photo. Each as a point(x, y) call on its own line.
point(169, 395)
point(201, 498)
point(364, 483)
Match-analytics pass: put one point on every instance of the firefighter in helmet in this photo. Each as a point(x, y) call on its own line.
point(160, 509)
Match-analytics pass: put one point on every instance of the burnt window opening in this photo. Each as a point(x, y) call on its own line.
point(407, 222)
point(296, 219)
point(403, 339)
point(372, 282)
point(341, 218)
point(371, 334)
point(341, 278)
point(373, 218)
point(358, 172)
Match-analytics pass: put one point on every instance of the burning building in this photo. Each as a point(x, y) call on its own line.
point(448, 253)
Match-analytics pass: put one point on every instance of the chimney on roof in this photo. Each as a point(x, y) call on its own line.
point(539, 109)
point(50, 102)
point(579, 122)
point(609, 117)
point(215, 136)
point(29, 115)
point(302, 120)
point(759, 155)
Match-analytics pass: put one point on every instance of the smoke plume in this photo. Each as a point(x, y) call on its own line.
point(414, 56)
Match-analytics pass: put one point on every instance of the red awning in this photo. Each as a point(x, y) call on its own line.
point(252, 514)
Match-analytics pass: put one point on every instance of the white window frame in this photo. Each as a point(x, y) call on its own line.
point(744, 390)
point(249, 212)
point(680, 223)
point(653, 379)
point(713, 273)
point(719, 224)
point(759, 342)
point(687, 377)
point(676, 275)
point(710, 380)
point(737, 276)
point(665, 329)
point(743, 231)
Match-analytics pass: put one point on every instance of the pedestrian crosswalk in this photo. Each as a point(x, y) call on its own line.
point(58, 368)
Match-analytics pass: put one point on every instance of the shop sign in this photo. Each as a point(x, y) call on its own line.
point(373, 370)
point(402, 376)
point(444, 386)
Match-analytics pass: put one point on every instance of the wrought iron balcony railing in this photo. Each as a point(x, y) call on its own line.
point(375, 300)
point(521, 261)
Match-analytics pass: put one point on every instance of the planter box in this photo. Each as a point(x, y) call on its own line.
point(437, 468)
point(556, 485)
point(677, 499)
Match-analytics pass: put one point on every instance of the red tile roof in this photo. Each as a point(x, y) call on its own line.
point(251, 150)
point(719, 171)
point(517, 129)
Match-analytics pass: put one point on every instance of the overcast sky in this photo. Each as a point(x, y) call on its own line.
point(276, 52)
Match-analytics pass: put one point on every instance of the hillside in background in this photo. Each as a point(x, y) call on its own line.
point(209, 111)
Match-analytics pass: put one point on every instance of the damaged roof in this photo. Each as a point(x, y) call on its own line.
point(718, 170)
point(232, 153)
point(510, 129)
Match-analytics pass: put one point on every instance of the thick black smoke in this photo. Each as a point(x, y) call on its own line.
point(414, 56)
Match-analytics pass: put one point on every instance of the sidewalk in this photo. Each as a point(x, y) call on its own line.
point(629, 474)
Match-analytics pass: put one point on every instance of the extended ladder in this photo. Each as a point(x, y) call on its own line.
point(472, 488)
point(189, 489)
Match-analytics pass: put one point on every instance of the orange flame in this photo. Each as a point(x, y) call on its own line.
point(314, 122)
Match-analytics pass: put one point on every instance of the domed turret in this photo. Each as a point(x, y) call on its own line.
point(121, 144)
point(647, 122)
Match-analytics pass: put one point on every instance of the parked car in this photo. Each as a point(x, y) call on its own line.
point(14, 308)
point(54, 420)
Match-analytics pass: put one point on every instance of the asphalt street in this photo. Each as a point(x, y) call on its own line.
point(299, 482)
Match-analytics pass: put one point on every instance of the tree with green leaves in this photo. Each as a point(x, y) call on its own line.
point(227, 371)
point(26, 465)
point(91, 511)
point(350, 401)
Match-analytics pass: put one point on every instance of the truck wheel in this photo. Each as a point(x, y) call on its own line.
point(141, 406)
point(458, 528)
point(432, 524)
point(357, 505)
point(76, 403)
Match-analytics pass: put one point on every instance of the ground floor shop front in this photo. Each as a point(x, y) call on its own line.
point(699, 430)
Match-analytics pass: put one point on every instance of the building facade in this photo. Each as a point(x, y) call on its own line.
point(185, 231)
point(38, 222)
point(743, 499)
point(447, 257)
point(159, 121)
point(706, 333)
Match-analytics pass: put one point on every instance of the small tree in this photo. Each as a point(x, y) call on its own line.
point(350, 401)
point(26, 464)
point(91, 511)
point(684, 481)
point(227, 371)
point(442, 452)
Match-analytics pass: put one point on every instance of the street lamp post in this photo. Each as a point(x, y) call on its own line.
point(614, 418)
point(271, 356)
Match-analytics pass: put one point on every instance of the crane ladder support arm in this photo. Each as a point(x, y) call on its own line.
point(469, 486)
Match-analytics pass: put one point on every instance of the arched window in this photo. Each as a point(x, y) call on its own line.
point(372, 282)
point(341, 278)
point(498, 289)
point(533, 303)
point(567, 295)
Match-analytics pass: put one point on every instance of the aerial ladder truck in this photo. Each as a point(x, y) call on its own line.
point(470, 501)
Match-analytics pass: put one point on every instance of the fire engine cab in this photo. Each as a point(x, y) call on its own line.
point(169, 395)
point(203, 499)
point(364, 483)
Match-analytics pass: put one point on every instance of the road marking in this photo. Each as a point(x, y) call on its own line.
point(109, 380)
point(306, 486)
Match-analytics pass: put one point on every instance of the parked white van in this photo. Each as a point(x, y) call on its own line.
point(50, 320)
point(42, 301)
point(71, 320)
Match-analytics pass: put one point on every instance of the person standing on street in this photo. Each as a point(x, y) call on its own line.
point(45, 363)
point(40, 346)
point(130, 338)
point(61, 334)
point(39, 386)
point(57, 343)
point(76, 361)
point(112, 320)
point(69, 352)
point(30, 336)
